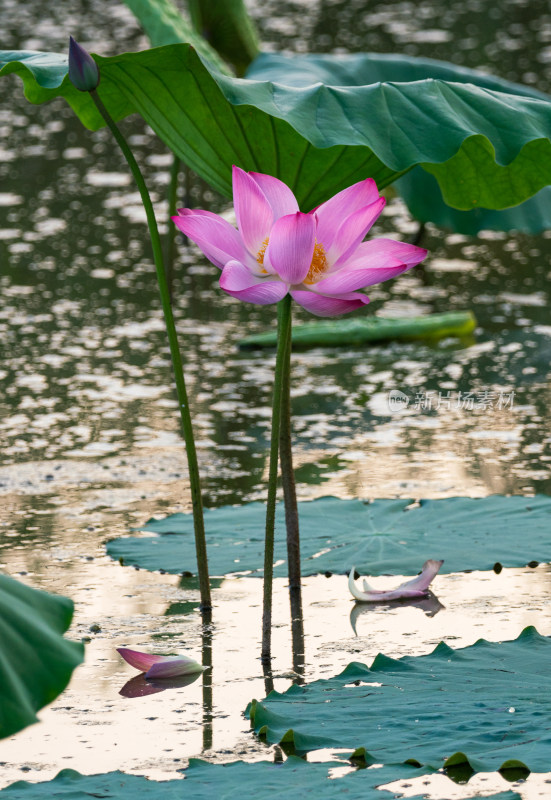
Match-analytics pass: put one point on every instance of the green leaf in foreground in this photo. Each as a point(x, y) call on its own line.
point(488, 704)
point(319, 138)
point(36, 662)
point(204, 781)
point(383, 537)
point(357, 330)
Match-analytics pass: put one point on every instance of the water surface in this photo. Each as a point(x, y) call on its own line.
point(88, 420)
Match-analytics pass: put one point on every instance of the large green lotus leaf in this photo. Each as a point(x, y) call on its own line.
point(380, 538)
point(358, 330)
point(422, 195)
point(362, 69)
point(488, 704)
point(163, 24)
point(486, 148)
point(204, 781)
point(418, 188)
point(463, 178)
point(36, 662)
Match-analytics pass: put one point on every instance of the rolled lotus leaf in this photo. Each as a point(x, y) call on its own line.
point(358, 330)
point(163, 24)
point(228, 28)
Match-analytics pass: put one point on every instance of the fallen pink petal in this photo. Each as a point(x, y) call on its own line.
point(156, 666)
point(415, 587)
point(319, 258)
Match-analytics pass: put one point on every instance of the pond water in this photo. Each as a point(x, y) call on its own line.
point(88, 423)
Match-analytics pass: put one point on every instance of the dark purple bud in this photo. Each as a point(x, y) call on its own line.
point(83, 70)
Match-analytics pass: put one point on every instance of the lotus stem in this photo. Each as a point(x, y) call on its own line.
point(172, 230)
point(419, 235)
point(290, 501)
point(283, 333)
point(183, 404)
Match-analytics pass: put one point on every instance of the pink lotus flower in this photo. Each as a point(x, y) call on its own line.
point(156, 666)
point(416, 587)
point(320, 257)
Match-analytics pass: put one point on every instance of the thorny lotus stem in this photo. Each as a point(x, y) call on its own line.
point(283, 330)
point(187, 428)
point(291, 508)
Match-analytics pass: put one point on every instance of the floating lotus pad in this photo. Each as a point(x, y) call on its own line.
point(379, 538)
point(36, 662)
point(357, 330)
point(488, 705)
point(203, 781)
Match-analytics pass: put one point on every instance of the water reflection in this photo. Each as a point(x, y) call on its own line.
point(268, 677)
point(140, 686)
point(297, 637)
point(430, 605)
point(206, 660)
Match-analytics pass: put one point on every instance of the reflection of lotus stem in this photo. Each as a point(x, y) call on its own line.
point(207, 681)
point(187, 429)
point(268, 677)
point(283, 338)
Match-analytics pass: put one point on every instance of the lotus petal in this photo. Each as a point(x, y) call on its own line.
point(156, 666)
point(415, 587)
point(323, 306)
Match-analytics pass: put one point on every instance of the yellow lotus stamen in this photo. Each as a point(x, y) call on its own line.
point(261, 253)
point(319, 265)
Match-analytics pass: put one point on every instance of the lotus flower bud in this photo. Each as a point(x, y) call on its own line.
point(83, 70)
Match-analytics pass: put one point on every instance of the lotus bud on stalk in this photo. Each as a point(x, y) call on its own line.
point(84, 75)
point(83, 70)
